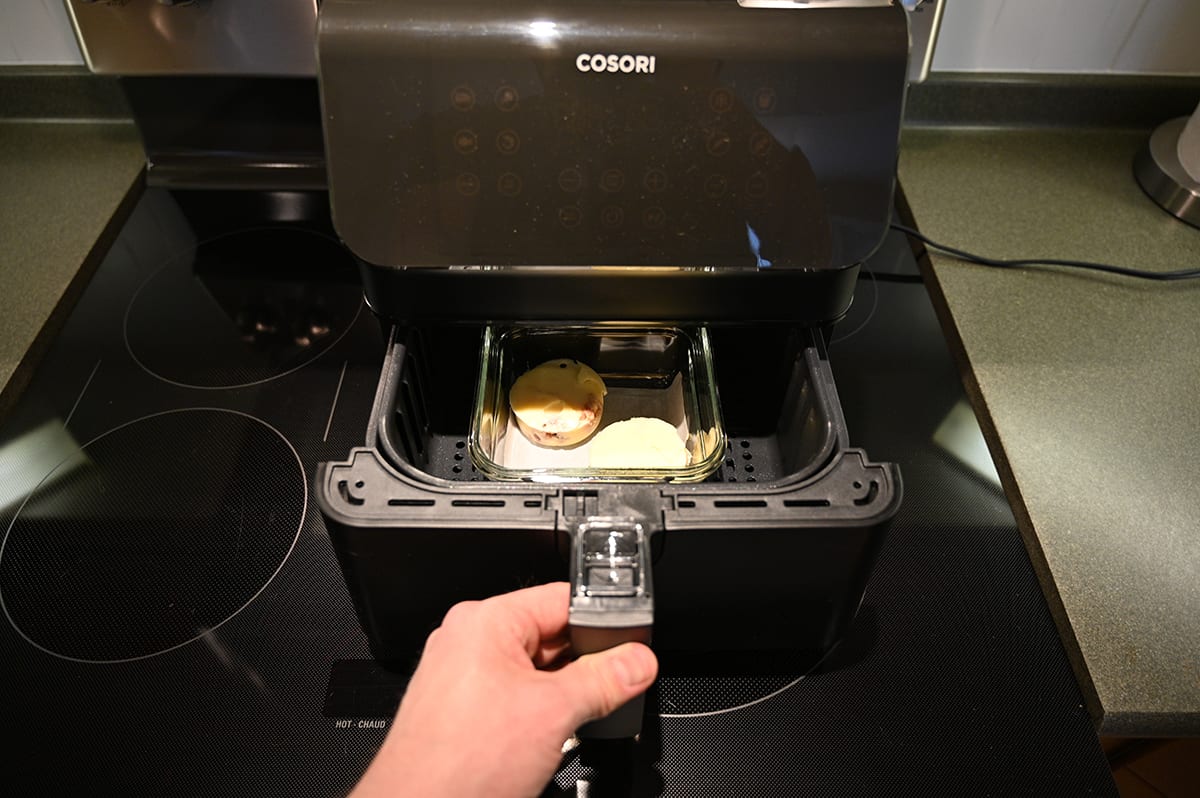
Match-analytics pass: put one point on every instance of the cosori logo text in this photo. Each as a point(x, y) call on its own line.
point(608, 62)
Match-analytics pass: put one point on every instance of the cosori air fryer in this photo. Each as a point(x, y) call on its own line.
point(707, 167)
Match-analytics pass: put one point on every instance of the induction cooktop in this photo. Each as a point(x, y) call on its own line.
point(175, 622)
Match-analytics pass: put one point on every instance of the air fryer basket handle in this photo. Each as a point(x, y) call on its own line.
point(612, 602)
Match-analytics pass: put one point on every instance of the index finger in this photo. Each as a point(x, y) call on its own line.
point(539, 613)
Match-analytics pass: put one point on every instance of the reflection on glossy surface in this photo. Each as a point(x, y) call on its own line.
point(50, 449)
point(960, 436)
point(256, 304)
point(642, 141)
point(155, 38)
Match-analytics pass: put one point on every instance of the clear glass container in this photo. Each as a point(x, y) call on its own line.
point(649, 371)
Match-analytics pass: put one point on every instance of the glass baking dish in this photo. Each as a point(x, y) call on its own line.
point(655, 371)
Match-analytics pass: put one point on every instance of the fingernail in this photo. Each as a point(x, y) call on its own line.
point(635, 666)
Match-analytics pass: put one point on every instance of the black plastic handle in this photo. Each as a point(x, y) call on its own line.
point(611, 603)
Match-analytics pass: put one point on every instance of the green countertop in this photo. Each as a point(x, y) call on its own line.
point(1088, 390)
point(62, 185)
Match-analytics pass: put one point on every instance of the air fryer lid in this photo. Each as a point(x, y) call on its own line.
point(686, 133)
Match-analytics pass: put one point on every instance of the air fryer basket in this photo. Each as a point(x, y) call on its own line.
point(771, 552)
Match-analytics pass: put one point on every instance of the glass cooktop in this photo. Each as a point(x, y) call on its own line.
point(175, 622)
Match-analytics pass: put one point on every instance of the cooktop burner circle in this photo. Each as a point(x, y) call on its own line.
point(243, 308)
point(715, 683)
point(861, 312)
point(152, 535)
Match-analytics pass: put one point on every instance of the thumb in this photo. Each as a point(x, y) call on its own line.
point(597, 684)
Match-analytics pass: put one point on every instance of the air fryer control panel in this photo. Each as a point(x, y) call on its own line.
point(669, 166)
point(692, 133)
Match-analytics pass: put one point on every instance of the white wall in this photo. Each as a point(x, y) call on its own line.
point(1155, 36)
point(36, 32)
point(1148, 36)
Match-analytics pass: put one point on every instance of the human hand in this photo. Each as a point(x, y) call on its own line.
point(491, 702)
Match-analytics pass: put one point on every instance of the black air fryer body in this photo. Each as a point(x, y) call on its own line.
point(691, 162)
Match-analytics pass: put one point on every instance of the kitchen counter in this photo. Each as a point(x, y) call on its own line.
point(67, 184)
point(1086, 386)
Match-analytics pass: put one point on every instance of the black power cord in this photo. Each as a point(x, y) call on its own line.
point(1141, 274)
